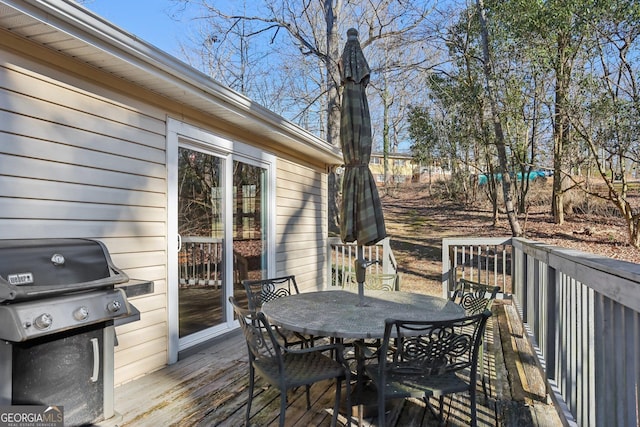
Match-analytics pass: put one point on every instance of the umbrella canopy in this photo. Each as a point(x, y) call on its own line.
point(361, 217)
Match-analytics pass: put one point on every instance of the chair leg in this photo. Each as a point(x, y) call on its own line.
point(472, 397)
point(438, 415)
point(283, 406)
point(381, 409)
point(308, 387)
point(347, 389)
point(336, 404)
point(482, 371)
point(484, 388)
point(251, 385)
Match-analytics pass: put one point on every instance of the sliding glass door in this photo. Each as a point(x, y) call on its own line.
point(223, 228)
point(201, 229)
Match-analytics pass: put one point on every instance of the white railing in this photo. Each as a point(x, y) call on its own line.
point(485, 260)
point(200, 261)
point(343, 257)
point(582, 313)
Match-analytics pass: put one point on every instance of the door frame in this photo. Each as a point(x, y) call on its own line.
point(183, 134)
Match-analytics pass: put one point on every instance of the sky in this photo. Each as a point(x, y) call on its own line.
point(148, 20)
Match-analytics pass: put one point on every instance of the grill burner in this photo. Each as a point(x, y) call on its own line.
point(32, 319)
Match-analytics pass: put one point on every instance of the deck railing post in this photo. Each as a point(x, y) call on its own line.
point(533, 297)
point(388, 258)
point(520, 280)
point(551, 329)
point(447, 268)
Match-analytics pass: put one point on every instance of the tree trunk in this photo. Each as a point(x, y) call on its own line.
point(633, 221)
point(516, 230)
point(385, 137)
point(634, 232)
point(561, 141)
point(333, 104)
point(492, 191)
point(557, 201)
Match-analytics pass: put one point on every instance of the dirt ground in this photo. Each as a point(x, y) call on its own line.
point(417, 222)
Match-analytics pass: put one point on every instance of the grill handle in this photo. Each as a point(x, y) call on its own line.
point(96, 360)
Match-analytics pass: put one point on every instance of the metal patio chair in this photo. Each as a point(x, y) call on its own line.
point(265, 290)
point(287, 368)
point(425, 359)
point(372, 281)
point(476, 297)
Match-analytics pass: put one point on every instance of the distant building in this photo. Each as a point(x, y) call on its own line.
point(400, 168)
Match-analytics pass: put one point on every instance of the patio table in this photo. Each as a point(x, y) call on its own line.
point(337, 314)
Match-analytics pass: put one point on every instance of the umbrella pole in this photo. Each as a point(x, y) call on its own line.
point(360, 273)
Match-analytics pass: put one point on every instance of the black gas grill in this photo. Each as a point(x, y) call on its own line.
point(58, 302)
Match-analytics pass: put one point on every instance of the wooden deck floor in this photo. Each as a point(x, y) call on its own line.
point(210, 389)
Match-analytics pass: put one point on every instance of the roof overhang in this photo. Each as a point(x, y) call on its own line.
point(74, 31)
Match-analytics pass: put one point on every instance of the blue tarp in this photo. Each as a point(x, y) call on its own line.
point(533, 175)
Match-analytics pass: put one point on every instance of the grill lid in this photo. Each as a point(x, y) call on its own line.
point(38, 268)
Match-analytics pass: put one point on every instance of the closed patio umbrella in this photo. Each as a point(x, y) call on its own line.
point(361, 218)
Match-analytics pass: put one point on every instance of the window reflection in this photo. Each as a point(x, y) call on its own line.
point(203, 289)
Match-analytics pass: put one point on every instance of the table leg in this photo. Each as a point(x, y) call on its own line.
point(365, 396)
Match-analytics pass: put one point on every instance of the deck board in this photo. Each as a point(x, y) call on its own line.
point(209, 388)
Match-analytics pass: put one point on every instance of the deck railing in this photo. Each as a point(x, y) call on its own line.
point(200, 261)
point(343, 257)
point(486, 260)
point(582, 313)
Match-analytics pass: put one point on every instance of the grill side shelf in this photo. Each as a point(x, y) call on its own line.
point(136, 288)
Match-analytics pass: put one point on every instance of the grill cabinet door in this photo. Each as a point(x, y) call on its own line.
point(58, 371)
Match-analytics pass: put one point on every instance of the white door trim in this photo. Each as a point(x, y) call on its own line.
point(183, 134)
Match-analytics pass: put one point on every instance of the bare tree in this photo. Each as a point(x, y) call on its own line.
point(606, 120)
point(305, 36)
point(497, 124)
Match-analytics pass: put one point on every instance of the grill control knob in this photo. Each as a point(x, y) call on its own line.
point(114, 306)
point(43, 321)
point(81, 313)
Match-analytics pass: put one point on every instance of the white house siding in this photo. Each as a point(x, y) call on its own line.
point(301, 224)
point(77, 160)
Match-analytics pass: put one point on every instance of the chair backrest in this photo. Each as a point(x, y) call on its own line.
point(474, 297)
point(258, 333)
point(372, 281)
point(264, 290)
point(432, 347)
